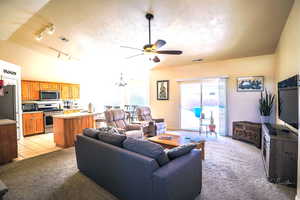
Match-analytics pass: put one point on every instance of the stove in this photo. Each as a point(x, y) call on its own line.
point(50, 108)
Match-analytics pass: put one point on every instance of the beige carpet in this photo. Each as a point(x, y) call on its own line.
point(232, 170)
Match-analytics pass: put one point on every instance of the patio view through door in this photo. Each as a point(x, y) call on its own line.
point(204, 99)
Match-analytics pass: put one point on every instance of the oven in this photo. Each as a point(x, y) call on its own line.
point(48, 120)
point(50, 108)
point(49, 95)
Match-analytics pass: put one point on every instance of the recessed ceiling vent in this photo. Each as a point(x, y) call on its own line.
point(197, 60)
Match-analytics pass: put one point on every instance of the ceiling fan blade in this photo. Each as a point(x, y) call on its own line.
point(159, 43)
point(172, 52)
point(135, 55)
point(131, 48)
point(156, 59)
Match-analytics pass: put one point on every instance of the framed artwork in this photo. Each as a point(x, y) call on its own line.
point(162, 90)
point(250, 84)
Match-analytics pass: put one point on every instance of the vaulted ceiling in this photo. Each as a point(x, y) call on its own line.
point(208, 29)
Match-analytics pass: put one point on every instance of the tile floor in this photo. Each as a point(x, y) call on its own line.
point(32, 146)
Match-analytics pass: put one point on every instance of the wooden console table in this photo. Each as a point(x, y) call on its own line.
point(247, 131)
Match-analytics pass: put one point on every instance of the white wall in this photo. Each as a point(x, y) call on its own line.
point(242, 106)
point(288, 59)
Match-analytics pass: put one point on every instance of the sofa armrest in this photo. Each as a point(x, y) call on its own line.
point(179, 179)
point(3, 189)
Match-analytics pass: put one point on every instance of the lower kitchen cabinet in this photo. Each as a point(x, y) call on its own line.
point(33, 123)
point(8, 142)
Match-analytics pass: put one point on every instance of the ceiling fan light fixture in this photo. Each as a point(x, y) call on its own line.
point(50, 29)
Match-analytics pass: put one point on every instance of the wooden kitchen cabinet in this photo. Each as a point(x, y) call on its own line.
point(8, 141)
point(30, 90)
point(49, 86)
point(33, 123)
point(70, 91)
point(75, 91)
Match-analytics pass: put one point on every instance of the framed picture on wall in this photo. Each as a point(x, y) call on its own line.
point(250, 84)
point(162, 89)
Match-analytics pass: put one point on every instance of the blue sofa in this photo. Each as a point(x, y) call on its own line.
point(131, 176)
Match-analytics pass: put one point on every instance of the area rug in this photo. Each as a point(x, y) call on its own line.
point(232, 170)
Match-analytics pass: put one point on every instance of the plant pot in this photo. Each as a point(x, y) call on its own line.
point(264, 119)
point(212, 128)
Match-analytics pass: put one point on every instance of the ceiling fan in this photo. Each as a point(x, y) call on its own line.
point(153, 48)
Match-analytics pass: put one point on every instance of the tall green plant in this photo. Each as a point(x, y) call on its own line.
point(266, 103)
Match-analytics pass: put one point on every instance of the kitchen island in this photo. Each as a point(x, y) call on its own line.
point(67, 126)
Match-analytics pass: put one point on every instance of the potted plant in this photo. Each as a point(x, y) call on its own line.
point(265, 106)
point(212, 126)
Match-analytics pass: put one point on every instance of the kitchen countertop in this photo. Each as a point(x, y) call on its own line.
point(32, 112)
point(74, 115)
point(6, 122)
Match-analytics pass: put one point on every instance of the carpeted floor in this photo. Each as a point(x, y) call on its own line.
point(232, 170)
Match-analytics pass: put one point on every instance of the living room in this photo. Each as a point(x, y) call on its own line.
point(185, 66)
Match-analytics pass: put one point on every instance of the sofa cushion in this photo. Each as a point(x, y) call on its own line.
point(180, 151)
point(91, 132)
point(147, 148)
point(112, 138)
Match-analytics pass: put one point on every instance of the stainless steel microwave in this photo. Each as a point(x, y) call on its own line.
point(49, 95)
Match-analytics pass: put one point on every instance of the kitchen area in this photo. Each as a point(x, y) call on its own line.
point(28, 111)
point(41, 103)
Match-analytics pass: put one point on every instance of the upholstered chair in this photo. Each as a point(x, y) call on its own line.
point(155, 126)
point(117, 118)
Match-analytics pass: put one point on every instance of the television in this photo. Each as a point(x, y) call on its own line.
point(288, 101)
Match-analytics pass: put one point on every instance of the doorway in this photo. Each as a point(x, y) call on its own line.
point(204, 103)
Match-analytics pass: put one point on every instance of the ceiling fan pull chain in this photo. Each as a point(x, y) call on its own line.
point(149, 24)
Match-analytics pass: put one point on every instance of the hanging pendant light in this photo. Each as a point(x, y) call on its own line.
point(122, 82)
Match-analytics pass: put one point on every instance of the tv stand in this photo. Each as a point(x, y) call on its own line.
point(280, 154)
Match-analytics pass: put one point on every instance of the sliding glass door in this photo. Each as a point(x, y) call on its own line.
point(206, 100)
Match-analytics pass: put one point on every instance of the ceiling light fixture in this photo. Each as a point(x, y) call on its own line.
point(49, 29)
point(122, 82)
point(39, 37)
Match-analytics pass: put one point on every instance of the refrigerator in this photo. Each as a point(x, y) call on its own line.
point(8, 103)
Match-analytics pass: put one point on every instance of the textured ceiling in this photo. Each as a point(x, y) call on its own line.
point(14, 13)
point(208, 29)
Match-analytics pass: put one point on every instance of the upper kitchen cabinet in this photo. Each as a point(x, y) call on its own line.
point(70, 91)
point(75, 91)
point(30, 90)
point(50, 86)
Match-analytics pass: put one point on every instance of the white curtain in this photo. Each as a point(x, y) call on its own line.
point(223, 90)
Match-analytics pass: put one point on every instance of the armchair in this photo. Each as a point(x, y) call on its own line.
point(155, 126)
point(117, 118)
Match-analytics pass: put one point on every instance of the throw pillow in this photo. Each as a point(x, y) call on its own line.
point(112, 138)
point(180, 151)
point(147, 148)
point(108, 130)
point(91, 132)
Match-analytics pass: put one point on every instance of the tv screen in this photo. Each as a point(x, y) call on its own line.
point(288, 101)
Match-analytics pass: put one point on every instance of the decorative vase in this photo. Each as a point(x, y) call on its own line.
point(264, 119)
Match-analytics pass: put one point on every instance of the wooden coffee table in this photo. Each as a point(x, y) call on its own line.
point(177, 140)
